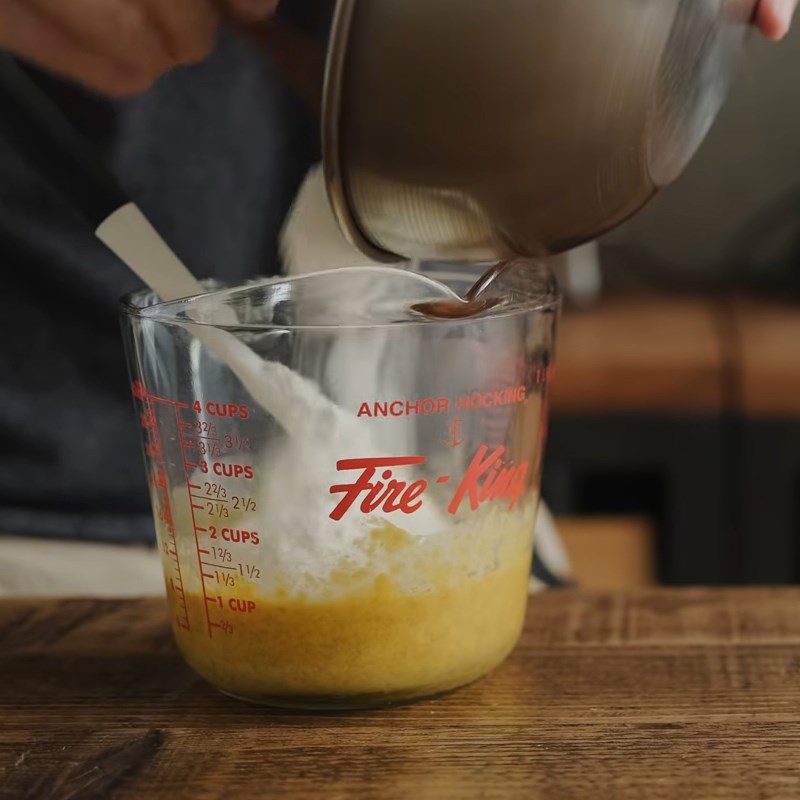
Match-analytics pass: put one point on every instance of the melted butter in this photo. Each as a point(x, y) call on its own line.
point(370, 636)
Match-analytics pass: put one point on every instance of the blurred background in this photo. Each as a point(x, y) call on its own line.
point(674, 452)
point(674, 448)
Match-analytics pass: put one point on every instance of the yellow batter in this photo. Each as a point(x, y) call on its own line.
point(376, 642)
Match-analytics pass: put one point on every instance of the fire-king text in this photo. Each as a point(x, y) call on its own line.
point(488, 477)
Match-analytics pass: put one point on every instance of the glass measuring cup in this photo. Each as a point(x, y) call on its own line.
point(355, 527)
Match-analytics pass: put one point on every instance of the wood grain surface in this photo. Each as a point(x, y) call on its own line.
point(652, 354)
point(659, 694)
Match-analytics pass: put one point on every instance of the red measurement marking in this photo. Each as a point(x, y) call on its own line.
point(173, 403)
point(194, 522)
point(155, 452)
point(147, 419)
point(204, 551)
point(443, 479)
point(152, 450)
point(194, 486)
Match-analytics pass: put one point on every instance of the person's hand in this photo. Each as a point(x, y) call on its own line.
point(118, 47)
point(774, 17)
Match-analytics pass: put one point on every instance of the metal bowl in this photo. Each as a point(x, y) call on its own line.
point(477, 129)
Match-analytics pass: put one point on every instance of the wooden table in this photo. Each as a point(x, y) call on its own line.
point(663, 694)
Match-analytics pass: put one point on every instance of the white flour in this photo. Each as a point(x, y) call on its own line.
point(294, 479)
point(294, 482)
point(294, 495)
